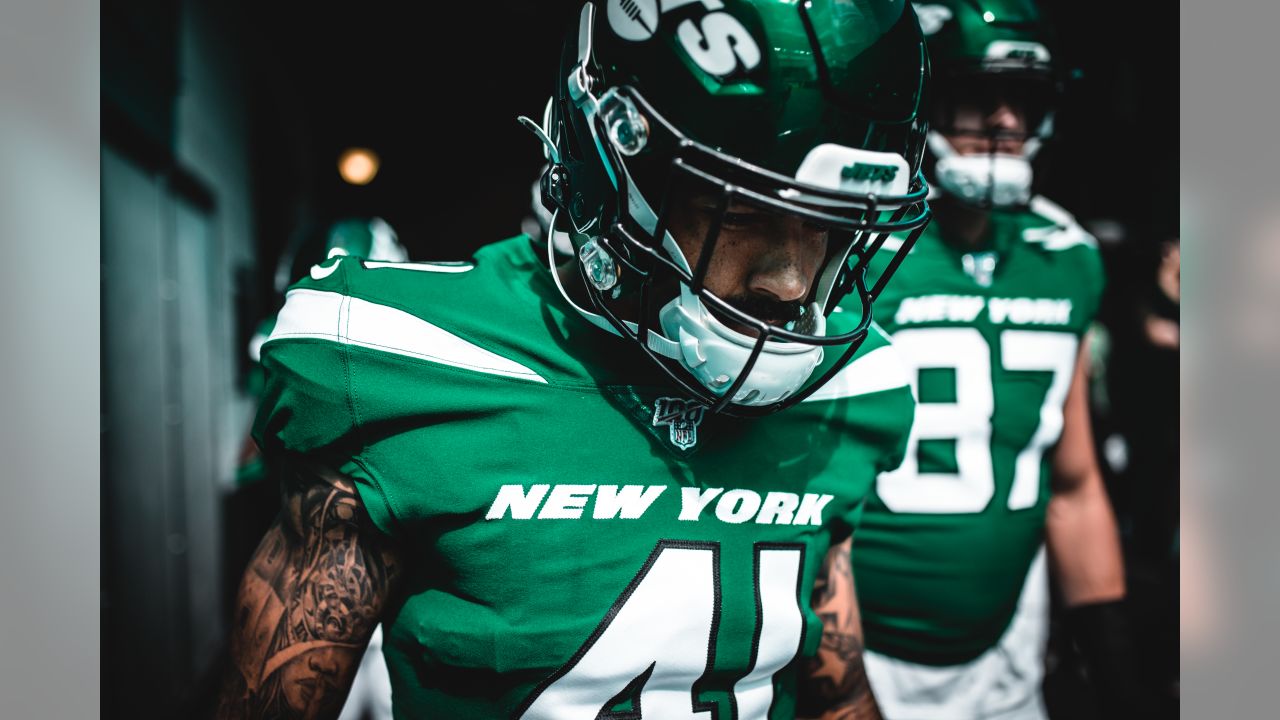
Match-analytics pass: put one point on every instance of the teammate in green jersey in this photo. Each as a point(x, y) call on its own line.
point(623, 486)
point(990, 311)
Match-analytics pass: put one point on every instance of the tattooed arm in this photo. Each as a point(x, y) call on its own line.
point(308, 602)
point(833, 684)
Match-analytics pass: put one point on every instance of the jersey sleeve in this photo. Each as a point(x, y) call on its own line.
point(900, 405)
point(308, 407)
point(871, 402)
point(897, 431)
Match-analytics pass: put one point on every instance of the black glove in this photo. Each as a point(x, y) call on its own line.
point(1103, 634)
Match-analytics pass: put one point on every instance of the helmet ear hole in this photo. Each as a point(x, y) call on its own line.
point(626, 126)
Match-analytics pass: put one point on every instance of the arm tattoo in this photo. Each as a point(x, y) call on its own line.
point(307, 605)
point(833, 683)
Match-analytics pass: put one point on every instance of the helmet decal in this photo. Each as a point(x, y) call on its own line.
point(855, 170)
point(716, 41)
point(635, 20)
point(1018, 50)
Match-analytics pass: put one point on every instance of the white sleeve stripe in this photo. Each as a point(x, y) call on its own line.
point(352, 321)
point(879, 370)
point(420, 267)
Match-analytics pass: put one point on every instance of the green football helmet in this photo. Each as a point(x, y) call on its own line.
point(985, 53)
point(814, 109)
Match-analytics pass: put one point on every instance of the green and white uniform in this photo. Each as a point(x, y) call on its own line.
point(991, 340)
point(577, 538)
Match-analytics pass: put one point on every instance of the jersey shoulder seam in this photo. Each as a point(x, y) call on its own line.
point(352, 400)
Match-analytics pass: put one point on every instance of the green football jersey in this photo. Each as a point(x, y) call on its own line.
point(991, 340)
point(579, 537)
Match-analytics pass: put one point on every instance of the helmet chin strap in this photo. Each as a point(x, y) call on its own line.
point(1000, 180)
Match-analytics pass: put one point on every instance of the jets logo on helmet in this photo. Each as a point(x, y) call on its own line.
point(1018, 50)
point(868, 171)
point(714, 39)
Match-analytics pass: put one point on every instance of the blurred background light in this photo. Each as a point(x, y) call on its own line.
point(358, 166)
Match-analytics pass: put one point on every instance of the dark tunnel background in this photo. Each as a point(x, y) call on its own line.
point(221, 128)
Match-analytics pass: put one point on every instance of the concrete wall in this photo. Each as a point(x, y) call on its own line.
point(177, 224)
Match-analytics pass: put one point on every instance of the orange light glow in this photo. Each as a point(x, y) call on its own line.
point(358, 166)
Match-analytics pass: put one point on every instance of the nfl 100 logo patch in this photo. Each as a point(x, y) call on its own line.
point(682, 416)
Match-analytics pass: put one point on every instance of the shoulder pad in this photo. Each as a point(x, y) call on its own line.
point(1063, 232)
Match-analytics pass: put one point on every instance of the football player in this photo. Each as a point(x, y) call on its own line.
point(990, 312)
point(592, 489)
